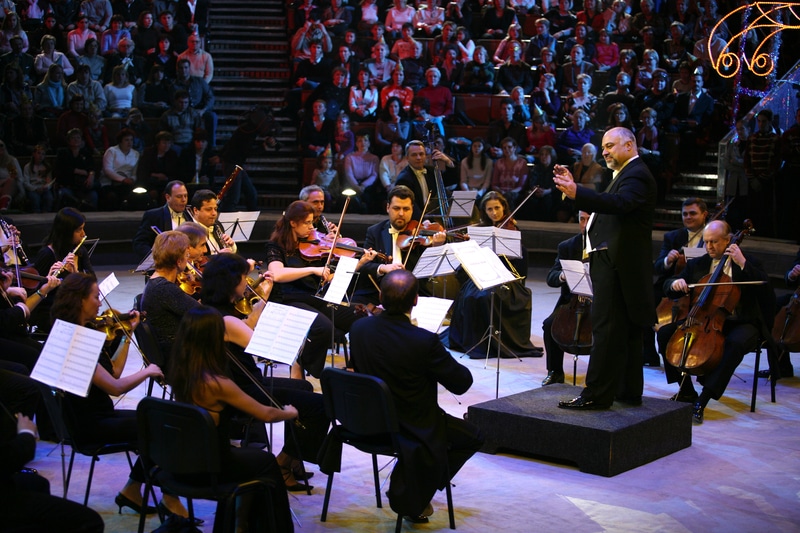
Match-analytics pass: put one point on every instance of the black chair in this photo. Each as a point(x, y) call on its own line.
point(178, 439)
point(363, 415)
point(65, 425)
point(146, 340)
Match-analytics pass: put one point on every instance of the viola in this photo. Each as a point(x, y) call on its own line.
point(696, 346)
point(316, 246)
point(29, 277)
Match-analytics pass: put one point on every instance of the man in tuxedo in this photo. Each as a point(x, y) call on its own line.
point(694, 214)
point(690, 118)
point(753, 314)
point(417, 177)
point(384, 237)
point(571, 249)
point(168, 217)
point(412, 362)
point(618, 240)
point(205, 208)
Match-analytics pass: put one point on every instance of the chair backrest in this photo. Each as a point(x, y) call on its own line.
point(146, 339)
point(180, 438)
point(361, 403)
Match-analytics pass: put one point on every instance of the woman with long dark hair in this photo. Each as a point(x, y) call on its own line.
point(198, 366)
point(471, 310)
point(476, 169)
point(224, 284)
point(297, 279)
point(78, 302)
point(58, 253)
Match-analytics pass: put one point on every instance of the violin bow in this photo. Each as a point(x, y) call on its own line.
point(333, 245)
point(416, 230)
point(511, 216)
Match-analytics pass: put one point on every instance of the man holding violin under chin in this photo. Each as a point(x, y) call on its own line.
point(752, 315)
point(393, 237)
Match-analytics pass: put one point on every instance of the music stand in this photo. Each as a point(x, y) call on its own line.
point(487, 272)
point(463, 204)
point(336, 293)
point(238, 225)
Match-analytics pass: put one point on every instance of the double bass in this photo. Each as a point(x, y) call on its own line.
point(697, 345)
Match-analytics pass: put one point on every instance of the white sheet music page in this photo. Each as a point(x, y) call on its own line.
point(341, 280)
point(280, 333)
point(430, 312)
point(436, 261)
point(463, 203)
point(239, 225)
point(578, 279)
point(69, 358)
point(109, 284)
point(501, 241)
point(482, 265)
point(694, 251)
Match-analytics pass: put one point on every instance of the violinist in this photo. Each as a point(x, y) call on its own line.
point(165, 218)
point(571, 249)
point(754, 312)
point(470, 317)
point(225, 282)
point(388, 237)
point(417, 177)
point(163, 301)
point(61, 254)
point(78, 302)
point(205, 208)
point(297, 280)
point(198, 365)
point(694, 214)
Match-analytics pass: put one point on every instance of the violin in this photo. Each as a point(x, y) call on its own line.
point(259, 289)
point(29, 277)
point(696, 346)
point(114, 324)
point(316, 246)
point(411, 235)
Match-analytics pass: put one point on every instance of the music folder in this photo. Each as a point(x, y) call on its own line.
point(483, 266)
point(280, 333)
point(501, 241)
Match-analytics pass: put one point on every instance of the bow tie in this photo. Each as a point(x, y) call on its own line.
point(423, 172)
point(393, 231)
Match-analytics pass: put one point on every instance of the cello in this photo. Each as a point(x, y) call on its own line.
point(786, 328)
point(697, 345)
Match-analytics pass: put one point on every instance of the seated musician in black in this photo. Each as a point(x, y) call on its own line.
point(791, 278)
point(225, 284)
point(571, 249)
point(512, 306)
point(297, 280)
point(750, 318)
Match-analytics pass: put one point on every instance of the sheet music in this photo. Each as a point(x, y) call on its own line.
point(500, 241)
point(694, 252)
point(463, 204)
point(436, 261)
point(280, 333)
point(337, 290)
point(578, 278)
point(69, 358)
point(239, 225)
point(430, 312)
point(107, 285)
point(482, 265)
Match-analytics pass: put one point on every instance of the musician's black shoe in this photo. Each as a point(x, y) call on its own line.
point(785, 373)
point(554, 376)
point(697, 413)
point(583, 404)
point(685, 397)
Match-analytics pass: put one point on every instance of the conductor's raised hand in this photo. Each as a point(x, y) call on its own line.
point(564, 181)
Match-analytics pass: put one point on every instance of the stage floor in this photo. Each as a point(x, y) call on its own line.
point(740, 473)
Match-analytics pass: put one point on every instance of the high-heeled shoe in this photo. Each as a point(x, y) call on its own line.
point(299, 471)
point(123, 501)
point(288, 477)
point(164, 513)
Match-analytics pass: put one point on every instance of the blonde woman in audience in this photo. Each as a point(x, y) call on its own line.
point(37, 179)
point(119, 93)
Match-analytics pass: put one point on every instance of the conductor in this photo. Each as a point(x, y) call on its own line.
point(618, 241)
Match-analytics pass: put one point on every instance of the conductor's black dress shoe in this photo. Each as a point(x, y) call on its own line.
point(583, 404)
point(554, 376)
point(698, 412)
